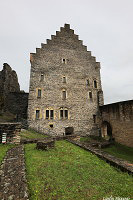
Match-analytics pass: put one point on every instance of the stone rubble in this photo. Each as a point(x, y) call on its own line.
point(13, 183)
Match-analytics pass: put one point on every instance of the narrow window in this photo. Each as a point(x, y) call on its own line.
point(51, 125)
point(63, 60)
point(95, 84)
point(61, 114)
point(66, 114)
point(64, 95)
point(94, 118)
point(51, 114)
point(87, 82)
point(37, 114)
point(42, 77)
point(47, 114)
point(64, 79)
point(39, 93)
point(90, 95)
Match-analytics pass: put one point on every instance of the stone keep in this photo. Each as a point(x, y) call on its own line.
point(65, 87)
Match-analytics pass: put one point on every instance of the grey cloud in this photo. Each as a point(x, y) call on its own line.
point(105, 26)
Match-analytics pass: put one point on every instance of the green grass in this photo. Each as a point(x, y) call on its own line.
point(29, 134)
point(120, 151)
point(68, 172)
point(3, 149)
point(92, 139)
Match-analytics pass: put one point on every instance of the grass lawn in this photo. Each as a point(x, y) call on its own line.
point(3, 149)
point(29, 134)
point(71, 173)
point(120, 151)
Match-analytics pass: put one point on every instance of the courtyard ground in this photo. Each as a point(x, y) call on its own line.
point(69, 172)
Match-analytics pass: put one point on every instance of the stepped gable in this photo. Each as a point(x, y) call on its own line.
point(65, 39)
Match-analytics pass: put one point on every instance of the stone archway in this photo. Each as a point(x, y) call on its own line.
point(106, 130)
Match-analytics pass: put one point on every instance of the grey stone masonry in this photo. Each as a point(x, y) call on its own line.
point(65, 87)
point(12, 131)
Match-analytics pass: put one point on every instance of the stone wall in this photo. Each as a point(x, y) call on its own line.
point(118, 117)
point(64, 56)
point(12, 130)
point(8, 80)
point(12, 100)
point(18, 104)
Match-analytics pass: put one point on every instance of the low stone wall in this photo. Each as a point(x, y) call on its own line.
point(56, 138)
point(45, 145)
point(123, 165)
point(12, 131)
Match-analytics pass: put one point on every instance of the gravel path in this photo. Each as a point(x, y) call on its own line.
point(13, 184)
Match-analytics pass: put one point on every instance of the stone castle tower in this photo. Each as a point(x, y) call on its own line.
point(65, 87)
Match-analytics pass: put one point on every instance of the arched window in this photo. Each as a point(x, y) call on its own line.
point(63, 113)
point(50, 114)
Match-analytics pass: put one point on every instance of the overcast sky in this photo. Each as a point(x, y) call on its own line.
point(105, 26)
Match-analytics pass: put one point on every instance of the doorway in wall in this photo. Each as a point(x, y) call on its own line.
point(106, 130)
point(69, 131)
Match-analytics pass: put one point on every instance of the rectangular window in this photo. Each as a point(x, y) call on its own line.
point(95, 84)
point(61, 114)
point(51, 114)
point(64, 95)
point(37, 114)
point(42, 77)
point(47, 114)
point(64, 79)
point(39, 93)
point(94, 118)
point(66, 114)
point(90, 95)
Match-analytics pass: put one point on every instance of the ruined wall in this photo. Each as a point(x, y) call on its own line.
point(18, 104)
point(64, 56)
point(120, 117)
point(12, 131)
point(12, 100)
point(8, 80)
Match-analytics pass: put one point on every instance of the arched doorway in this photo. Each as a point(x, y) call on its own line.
point(106, 130)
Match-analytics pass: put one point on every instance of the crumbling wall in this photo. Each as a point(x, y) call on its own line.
point(12, 100)
point(120, 117)
point(12, 131)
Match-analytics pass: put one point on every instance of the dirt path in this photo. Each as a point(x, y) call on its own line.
point(13, 184)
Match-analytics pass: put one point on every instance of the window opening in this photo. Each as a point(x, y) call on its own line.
point(42, 77)
point(64, 94)
point(90, 95)
point(95, 84)
point(66, 114)
point(39, 93)
point(94, 118)
point(47, 114)
point(51, 114)
point(64, 79)
point(37, 114)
